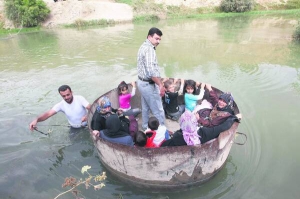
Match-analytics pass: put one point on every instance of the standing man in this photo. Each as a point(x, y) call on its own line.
point(149, 83)
point(74, 107)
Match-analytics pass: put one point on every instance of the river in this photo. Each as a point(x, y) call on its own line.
point(251, 56)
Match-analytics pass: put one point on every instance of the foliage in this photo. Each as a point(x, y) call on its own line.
point(236, 5)
point(296, 35)
point(73, 183)
point(1, 24)
point(293, 4)
point(79, 23)
point(144, 10)
point(28, 13)
point(281, 5)
point(146, 18)
point(129, 2)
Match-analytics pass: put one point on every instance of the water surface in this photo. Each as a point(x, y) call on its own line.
point(253, 57)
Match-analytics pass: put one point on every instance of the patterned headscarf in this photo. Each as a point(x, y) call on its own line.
point(188, 125)
point(103, 103)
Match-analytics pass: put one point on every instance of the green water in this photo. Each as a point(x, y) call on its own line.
point(253, 57)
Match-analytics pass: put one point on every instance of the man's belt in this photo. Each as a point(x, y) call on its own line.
point(150, 81)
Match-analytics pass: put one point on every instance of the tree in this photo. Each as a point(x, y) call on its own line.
point(27, 13)
point(236, 5)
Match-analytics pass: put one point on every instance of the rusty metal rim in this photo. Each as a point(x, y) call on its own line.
point(154, 186)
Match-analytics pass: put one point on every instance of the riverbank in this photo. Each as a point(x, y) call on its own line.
point(74, 11)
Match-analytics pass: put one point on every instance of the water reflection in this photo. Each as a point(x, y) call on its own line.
point(231, 27)
point(293, 60)
point(256, 61)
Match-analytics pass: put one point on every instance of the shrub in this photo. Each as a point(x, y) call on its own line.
point(236, 5)
point(293, 4)
point(28, 13)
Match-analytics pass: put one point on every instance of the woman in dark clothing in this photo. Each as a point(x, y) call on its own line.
point(114, 131)
point(205, 133)
point(102, 113)
point(222, 109)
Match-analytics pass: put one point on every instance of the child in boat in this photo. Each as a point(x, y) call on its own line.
point(156, 133)
point(124, 99)
point(190, 97)
point(140, 139)
point(172, 109)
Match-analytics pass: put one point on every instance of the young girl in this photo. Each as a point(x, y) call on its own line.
point(172, 109)
point(190, 97)
point(124, 99)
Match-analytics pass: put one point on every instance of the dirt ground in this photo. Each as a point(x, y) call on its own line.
point(68, 11)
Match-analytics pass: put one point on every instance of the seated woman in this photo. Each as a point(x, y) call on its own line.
point(114, 131)
point(222, 109)
point(187, 136)
point(104, 111)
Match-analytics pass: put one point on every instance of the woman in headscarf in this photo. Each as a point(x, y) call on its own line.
point(187, 135)
point(189, 126)
point(115, 132)
point(221, 111)
point(104, 111)
point(190, 134)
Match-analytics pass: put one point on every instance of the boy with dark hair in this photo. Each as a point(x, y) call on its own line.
point(156, 133)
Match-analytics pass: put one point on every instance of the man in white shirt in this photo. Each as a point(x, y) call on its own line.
point(74, 107)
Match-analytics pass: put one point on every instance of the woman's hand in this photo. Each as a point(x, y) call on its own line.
point(208, 86)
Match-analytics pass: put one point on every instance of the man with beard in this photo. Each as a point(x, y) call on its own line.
point(74, 107)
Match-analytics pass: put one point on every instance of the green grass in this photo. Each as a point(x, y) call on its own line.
point(129, 2)
point(147, 10)
point(146, 17)
point(82, 23)
point(293, 13)
point(15, 31)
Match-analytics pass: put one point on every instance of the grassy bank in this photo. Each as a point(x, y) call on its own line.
point(149, 11)
point(11, 32)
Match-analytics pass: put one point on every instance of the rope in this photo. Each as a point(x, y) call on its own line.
point(239, 133)
point(40, 131)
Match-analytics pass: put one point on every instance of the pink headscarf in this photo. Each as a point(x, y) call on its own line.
point(188, 124)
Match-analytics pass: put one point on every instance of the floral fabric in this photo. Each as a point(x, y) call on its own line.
point(189, 125)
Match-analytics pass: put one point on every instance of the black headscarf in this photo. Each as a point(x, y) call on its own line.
point(114, 128)
point(227, 97)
